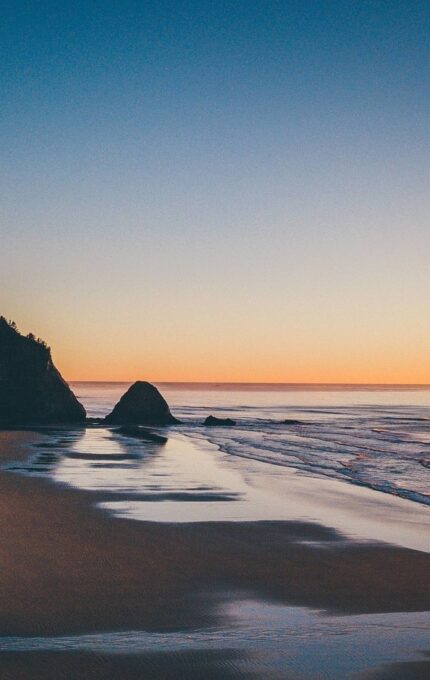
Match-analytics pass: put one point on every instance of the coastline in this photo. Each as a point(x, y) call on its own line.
point(68, 567)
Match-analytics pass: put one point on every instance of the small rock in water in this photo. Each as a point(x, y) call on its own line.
point(224, 422)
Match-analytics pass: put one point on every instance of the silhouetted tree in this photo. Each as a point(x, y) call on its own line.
point(42, 343)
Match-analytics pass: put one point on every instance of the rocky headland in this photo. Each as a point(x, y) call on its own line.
point(32, 391)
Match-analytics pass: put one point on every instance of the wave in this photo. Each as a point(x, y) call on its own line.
point(361, 446)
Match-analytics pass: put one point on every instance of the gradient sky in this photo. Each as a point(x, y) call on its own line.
point(218, 190)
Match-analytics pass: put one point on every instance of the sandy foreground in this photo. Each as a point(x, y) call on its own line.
point(66, 567)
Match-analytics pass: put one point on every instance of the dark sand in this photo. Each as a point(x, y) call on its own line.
point(209, 665)
point(68, 567)
point(408, 670)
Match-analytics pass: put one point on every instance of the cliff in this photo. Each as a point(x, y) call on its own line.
point(31, 388)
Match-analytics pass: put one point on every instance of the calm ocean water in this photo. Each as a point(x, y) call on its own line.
point(379, 438)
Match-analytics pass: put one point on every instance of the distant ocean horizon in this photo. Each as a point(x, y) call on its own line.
point(287, 386)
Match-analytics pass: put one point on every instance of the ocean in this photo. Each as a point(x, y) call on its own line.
point(351, 462)
point(377, 437)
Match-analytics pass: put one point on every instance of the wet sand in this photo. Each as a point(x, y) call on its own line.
point(207, 665)
point(412, 670)
point(68, 567)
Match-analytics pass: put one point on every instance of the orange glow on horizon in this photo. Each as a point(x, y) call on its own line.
point(342, 356)
point(321, 370)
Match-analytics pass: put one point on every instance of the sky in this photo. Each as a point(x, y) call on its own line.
point(218, 190)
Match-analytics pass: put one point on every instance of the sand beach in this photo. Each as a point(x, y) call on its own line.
point(90, 592)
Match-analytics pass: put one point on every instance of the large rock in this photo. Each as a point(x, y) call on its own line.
point(31, 388)
point(142, 404)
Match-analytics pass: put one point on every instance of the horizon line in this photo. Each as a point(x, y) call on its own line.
point(280, 384)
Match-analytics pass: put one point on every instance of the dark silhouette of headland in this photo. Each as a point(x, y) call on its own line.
point(32, 390)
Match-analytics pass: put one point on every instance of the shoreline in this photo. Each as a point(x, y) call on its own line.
point(40, 518)
point(247, 489)
point(69, 567)
point(402, 495)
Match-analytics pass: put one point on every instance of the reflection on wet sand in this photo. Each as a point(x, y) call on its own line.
point(68, 568)
point(267, 639)
point(197, 483)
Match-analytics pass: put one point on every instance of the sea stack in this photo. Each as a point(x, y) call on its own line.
point(32, 390)
point(142, 404)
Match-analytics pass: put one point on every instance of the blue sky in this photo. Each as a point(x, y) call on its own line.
point(223, 173)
